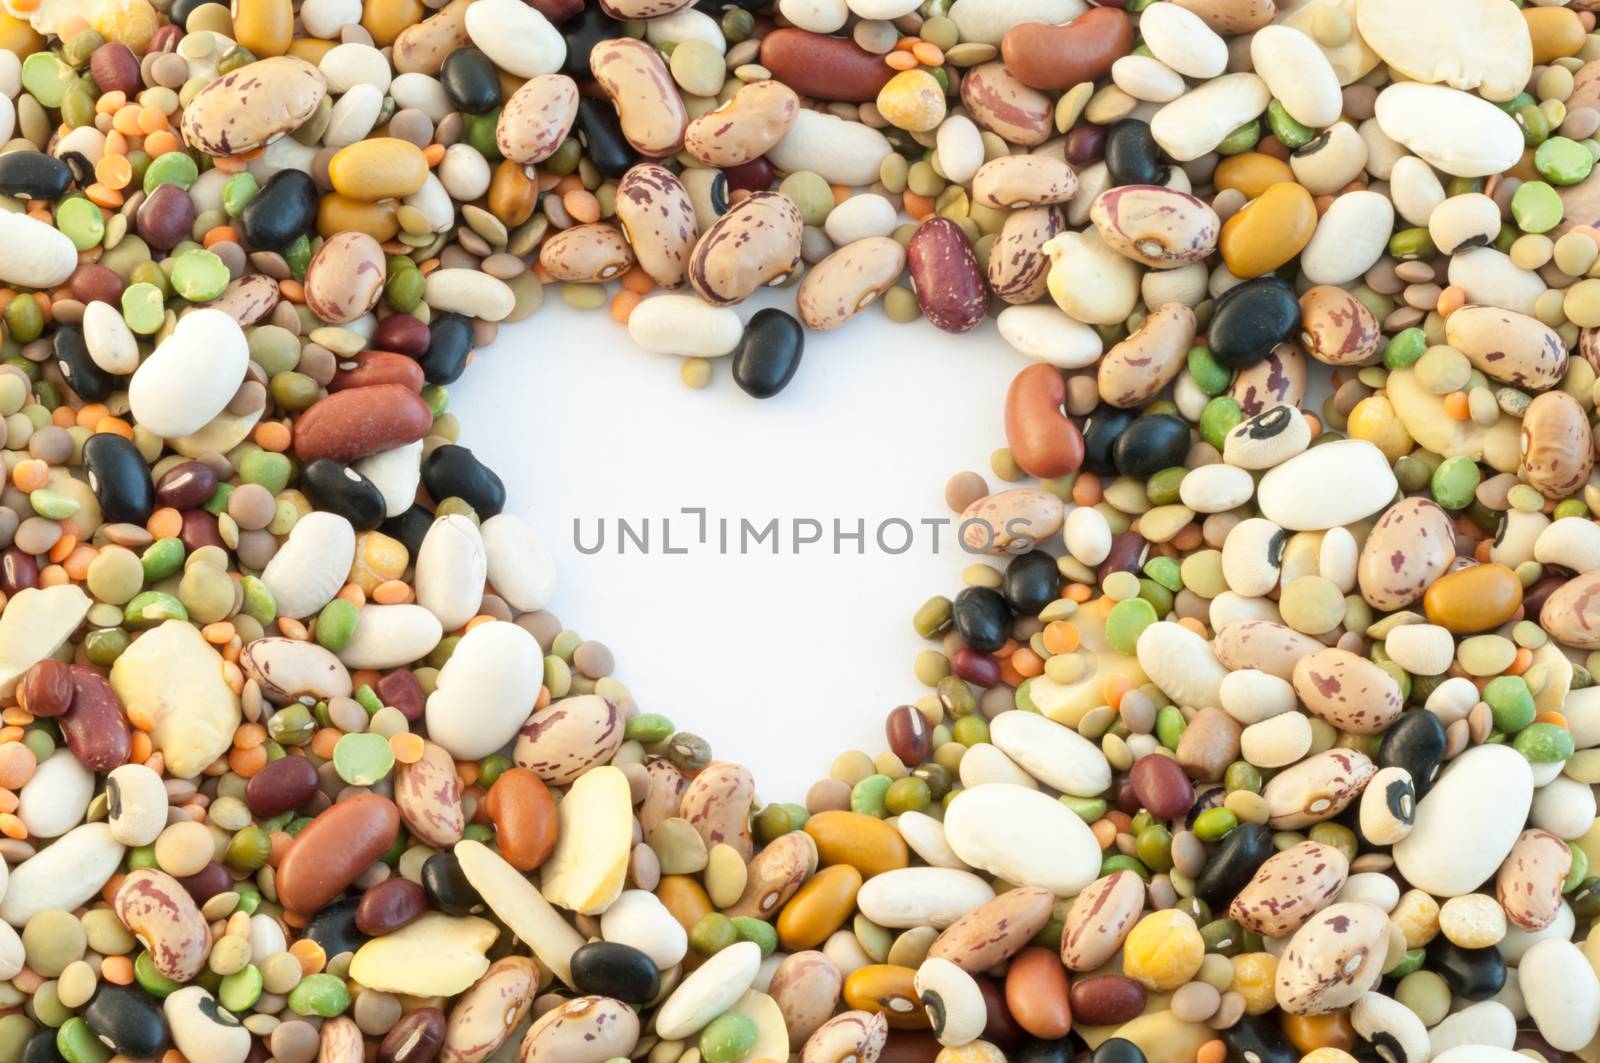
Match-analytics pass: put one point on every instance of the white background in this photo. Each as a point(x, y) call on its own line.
point(780, 662)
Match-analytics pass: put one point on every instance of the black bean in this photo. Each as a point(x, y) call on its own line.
point(448, 887)
point(1100, 431)
point(1151, 443)
point(1132, 155)
point(451, 471)
point(471, 81)
point(334, 928)
point(410, 527)
point(611, 969)
point(1061, 1050)
point(1233, 864)
point(283, 211)
point(33, 175)
point(1117, 1050)
point(1476, 974)
point(337, 488)
point(1258, 1039)
point(983, 619)
point(583, 32)
point(1249, 320)
point(119, 478)
point(449, 343)
point(92, 383)
point(182, 9)
point(600, 132)
point(768, 353)
point(1032, 581)
point(1416, 743)
point(128, 1020)
point(41, 1048)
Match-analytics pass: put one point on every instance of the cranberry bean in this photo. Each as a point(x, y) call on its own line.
point(1161, 786)
point(282, 786)
point(1106, 999)
point(352, 424)
point(1058, 57)
point(187, 486)
point(909, 736)
point(824, 68)
point(334, 849)
point(390, 905)
point(1043, 440)
point(46, 688)
point(945, 275)
point(94, 725)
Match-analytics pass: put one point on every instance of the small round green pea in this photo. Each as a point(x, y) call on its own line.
point(867, 796)
point(319, 994)
point(1214, 824)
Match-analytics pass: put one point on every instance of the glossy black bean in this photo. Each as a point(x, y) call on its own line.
point(983, 619)
point(33, 175)
point(128, 1020)
point(471, 81)
point(283, 211)
point(336, 487)
point(1233, 863)
point(1061, 1050)
point(187, 486)
point(182, 9)
point(1117, 1050)
point(1258, 1039)
point(600, 132)
point(449, 344)
point(41, 1048)
point(1250, 319)
point(1476, 974)
point(611, 969)
point(768, 353)
point(334, 928)
point(582, 32)
point(1032, 581)
point(452, 471)
point(410, 527)
point(1416, 743)
point(91, 382)
point(448, 887)
point(82, 169)
point(1132, 155)
point(166, 217)
point(1100, 431)
point(119, 478)
point(1151, 443)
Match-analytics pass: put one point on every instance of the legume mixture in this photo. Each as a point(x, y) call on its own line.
point(1265, 733)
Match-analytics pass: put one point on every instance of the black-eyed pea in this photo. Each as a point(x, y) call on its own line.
point(585, 254)
point(744, 128)
point(658, 219)
point(1389, 806)
point(1018, 267)
point(537, 118)
point(757, 242)
point(1024, 181)
point(953, 1001)
point(848, 281)
point(1160, 227)
point(647, 101)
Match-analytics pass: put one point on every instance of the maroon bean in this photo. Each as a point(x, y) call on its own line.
point(1086, 144)
point(199, 529)
point(754, 176)
point(207, 882)
point(402, 333)
point(415, 1038)
point(187, 486)
point(949, 285)
point(909, 736)
point(390, 905)
point(165, 39)
point(18, 571)
point(1001, 1030)
point(824, 68)
point(556, 11)
point(974, 667)
point(909, 1046)
point(348, 425)
point(1534, 597)
point(46, 688)
point(166, 217)
point(94, 283)
point(282, 786)
point(1128, 554)
point(1105, 999)
point(94, 725)
point(115, 68)
point(1161, 785)
point(377, 367)
point(402, 690)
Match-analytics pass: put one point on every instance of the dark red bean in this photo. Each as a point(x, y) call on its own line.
point(1128, 554)
point(1105, 999)
point(199, 529)
point(115, 68)
point(754, 176)
point(401, 690)
point(402, 333)
point(1161, 786)
point(187, 486)
point(823, 67)
point(415, 1038)
point(207, 882)
point(94, 725)
point(46, 688)
point(94, 283)
point(18, 571)
point(909, 736)
point(910, 1046)
point(282, 786)
point(377, 367)
point(166, 217)
point(390, 905)
point(1001, 1030)
point(1086, 145)
point(974, 667)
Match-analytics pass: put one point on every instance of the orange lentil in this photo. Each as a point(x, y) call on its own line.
point(111, 102)
point(582, 205)
point(918, 207)
point(637, 280)
point(11, 826)
point(365, 677)
point(1061, 636)
point(1480, 553)
point(53, 576)
point(63, 548)
point(928, 54)
point(114, 171)
point(352, 594)
point(249, 736)
point(164, 523)
point(428, 267)
point(392, 592)
point(407, 747)
point(291, 629)
point(292, 290)
point(1115, 688)
point(90, 414)
point(114, 426)
point(1078, 592)
point(77, 562)
point(1314, 423)
point(246, 762)
point(103, 196)
point(467, 771)
point(141, 747)
point(1009, 674)
point(140, 717)
point(478, 621)
point(1188, 538)
point(126, 120)
point(9, 801)
point(1451, 299)
point(1552, 717)
point(309, 953)
point(1194, 625)
point(218, 234)
point(324, 740)
point(1086, 489)
point(118, 970)
point(1027, 663)
point(1455, 404)
point(623, 304)
point(217, 634)
point(906, 43)
point(27, 980)
point(1213, 1051)
point(1120, 820)
point(233, 675)
point(273, 435)
point(1521, 662)
point(570, 183)
point(230, 163)
point(434, 153)
point(543, 699)
point(152, 120)
point(840, 193)
point(30, 475)
point(1104, 832)
point(161, 142)
point(62, 417)
point(17, 765)
point(16, 714)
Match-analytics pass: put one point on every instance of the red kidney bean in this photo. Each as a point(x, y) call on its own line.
point(390, 905)
point(282, 786)
point(824, 68)
point(199, 529)
point(377, 367)
point(94, 725)
point(415, 1038)
point(1086, 145)
point(1058, 57)
point(18, 571)
point(401, 690)
point(754, 176)
point(945, 275)
point(166, 217)
point(92, 283)
point(555, 11)
point(909, 736)
point(1162, 786)
point(352, 424)
point(1105, 999)
point(1043, 441)
point(46, 688)
point(187, 486)
point(334, 849)
point(402, 333)
point(207, 882)
point(974, 667)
